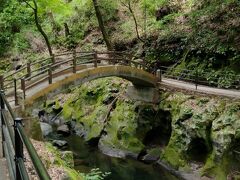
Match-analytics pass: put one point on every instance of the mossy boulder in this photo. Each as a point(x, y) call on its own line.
point(88, 105)
point(121, 128)
point(214, 122)
point(226, 128)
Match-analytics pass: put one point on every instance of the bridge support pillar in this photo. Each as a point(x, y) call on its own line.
point(146, 94)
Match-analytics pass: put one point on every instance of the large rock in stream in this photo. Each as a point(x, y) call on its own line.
point(46, 128)
point(61, 144)
point(64, 130)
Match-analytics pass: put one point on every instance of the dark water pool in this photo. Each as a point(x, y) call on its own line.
point(87, 158)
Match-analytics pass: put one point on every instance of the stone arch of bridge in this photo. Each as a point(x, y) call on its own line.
point(140, 79)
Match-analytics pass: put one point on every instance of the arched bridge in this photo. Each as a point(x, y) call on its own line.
point(53, 74)
point(44, 76)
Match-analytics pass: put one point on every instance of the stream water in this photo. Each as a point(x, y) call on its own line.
point(87, 158)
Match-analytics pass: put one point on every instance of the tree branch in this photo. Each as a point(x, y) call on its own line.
point(29, 4)
point(129, 6)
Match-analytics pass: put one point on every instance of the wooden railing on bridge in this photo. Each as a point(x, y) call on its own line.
point(49, 68)
point(14, 139)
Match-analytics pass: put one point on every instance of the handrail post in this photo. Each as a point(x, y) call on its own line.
point(74, 61)
point(29, 69)
point(23, 87)
point(15, 91)
point(50, 75)
point(95, 59)
point(18, 147)
point(2, 106)
point(1, 82)
point(159, 75)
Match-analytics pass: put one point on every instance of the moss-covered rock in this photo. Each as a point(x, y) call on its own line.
point(121, 128)
point(88, 105)
point(199, 128)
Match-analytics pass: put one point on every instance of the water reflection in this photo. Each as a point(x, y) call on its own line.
point(87, 157)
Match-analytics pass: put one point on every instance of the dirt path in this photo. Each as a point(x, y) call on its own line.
point(200, 88)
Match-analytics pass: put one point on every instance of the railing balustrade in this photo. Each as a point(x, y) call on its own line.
point(14, 139)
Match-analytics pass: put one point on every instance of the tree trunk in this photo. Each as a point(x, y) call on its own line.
point(67, 32)
point(135, 20)
point(54, 25)
point(101, 25)
point(39, 27)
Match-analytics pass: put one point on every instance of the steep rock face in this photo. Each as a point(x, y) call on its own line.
point(202, 127)
point(121, 128)
point(103, 111)
point(90, 104)
point(226, 128)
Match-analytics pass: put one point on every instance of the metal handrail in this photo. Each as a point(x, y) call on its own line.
point(18, 172)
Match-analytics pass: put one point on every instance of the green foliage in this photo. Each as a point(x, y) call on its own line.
point(19, 43)
point(211, 167)
point(96, 174)
point(66, 163)
point(109, 9)
point(153, 5)
point(12, 19)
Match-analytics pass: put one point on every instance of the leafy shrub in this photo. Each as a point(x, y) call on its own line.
point(95, 174)
point(153, 5)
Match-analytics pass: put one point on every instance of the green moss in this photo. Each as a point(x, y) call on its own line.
point(202, 102)
point(121, 128)
point(65, 161)
point(173, 157)
point(216, 169)
point(67, 110)
point(73, 174)
point(185, 114)
point(155, 152)
point(36, 132)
